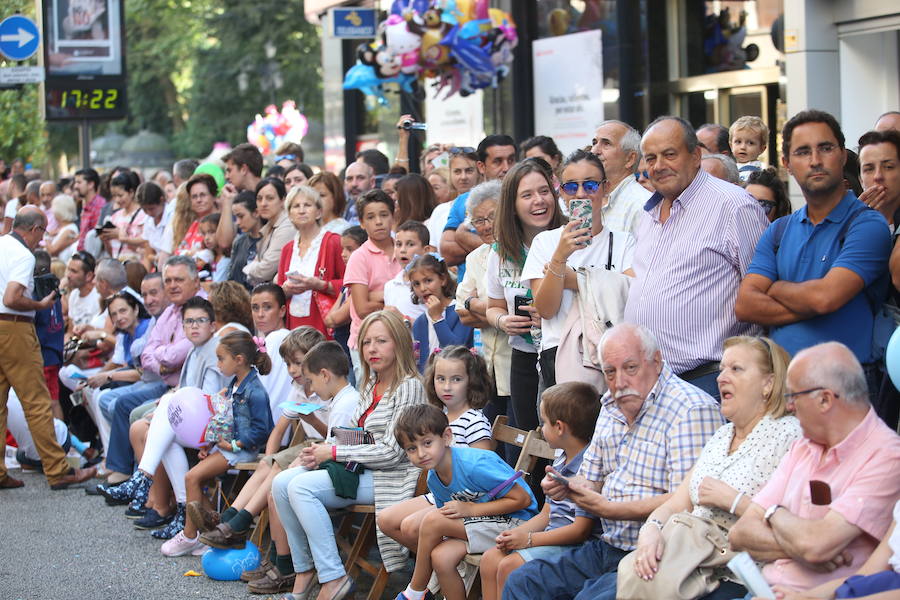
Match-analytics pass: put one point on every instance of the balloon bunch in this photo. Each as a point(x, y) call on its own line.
point(464, 44)
point(269, 132)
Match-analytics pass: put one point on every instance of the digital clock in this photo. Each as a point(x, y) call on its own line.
point(81, 100)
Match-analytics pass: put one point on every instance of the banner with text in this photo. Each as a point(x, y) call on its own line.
point(456, 120)
point(568, 87)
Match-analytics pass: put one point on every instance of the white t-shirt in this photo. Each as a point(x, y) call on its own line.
point(66, 253)
point(155, 234)
point(278, 381)
point(16, 265)
point(506, 283)
point(342, 408)
point(595, 255)
point(436, 222)
point(398, 294)
point(12, 207)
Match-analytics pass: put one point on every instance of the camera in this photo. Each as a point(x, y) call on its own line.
point(44, 284)
point(407, 125)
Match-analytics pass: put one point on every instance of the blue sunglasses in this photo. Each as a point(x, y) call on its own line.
point(590, 186)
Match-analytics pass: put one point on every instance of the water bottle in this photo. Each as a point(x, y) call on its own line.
point(476, 341)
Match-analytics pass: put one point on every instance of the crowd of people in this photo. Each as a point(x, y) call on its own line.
point(698, 354)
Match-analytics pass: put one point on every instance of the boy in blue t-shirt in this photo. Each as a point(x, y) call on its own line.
point(477, 496)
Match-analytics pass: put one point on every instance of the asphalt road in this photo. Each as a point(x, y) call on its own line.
point(66, 545)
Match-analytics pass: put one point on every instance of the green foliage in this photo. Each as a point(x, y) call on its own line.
point(21, 125)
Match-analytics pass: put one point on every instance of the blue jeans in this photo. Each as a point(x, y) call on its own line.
point(119, 455)
point(576, 573)
point(605, 589)
point(107, 398)
point(303, 498)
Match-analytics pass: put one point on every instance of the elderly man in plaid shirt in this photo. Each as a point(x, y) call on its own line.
point(652, 427)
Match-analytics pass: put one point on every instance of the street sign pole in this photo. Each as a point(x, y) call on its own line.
point(84, 145)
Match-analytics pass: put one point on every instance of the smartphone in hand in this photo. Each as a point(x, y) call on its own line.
point(519, 302)
point(556, 476)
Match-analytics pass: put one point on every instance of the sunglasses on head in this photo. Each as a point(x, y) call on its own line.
point(767, 205)
point(589, 186)
point(462, 150)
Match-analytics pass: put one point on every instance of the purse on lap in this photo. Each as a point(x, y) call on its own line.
point(694, 548)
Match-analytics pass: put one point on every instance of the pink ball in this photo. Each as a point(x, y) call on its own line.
point(189, 414)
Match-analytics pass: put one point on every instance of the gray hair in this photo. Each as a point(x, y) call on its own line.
point(29, 219)
point(184, 261)
point(112, 272)
point(690, 136)
point(63, 208)
point(488, 190)
point(649, 345)
point(152, 276)
point(184, 168)
point(840, 372)
point(731, 171)
point(630, 142)
point(33, 188)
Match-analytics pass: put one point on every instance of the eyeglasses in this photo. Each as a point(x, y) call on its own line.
point(197, 321)
point(483, 221)
point(806, 152)
point(790, 397)
point(767, 205)
point(589, 186)
point(462, 150)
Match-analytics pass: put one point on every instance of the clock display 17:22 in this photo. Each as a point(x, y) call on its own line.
point(97, 99)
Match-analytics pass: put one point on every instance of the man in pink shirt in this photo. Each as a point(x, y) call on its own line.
point(829, 502)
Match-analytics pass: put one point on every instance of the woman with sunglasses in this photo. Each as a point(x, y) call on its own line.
point(554, 255)
point(770, 192)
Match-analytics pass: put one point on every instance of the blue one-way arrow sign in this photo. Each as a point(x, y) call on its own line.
point(19, 37)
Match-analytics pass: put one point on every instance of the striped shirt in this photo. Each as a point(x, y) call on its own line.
point(653, 455)
point(689, 268)
point(471, 426)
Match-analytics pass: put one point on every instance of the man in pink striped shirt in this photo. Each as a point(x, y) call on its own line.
point(695, 241)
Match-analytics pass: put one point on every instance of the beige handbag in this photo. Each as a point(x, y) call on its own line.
point(694, 548)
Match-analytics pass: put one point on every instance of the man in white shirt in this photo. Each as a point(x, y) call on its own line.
point(619, 147)
point(21, 365)
point(84, 299)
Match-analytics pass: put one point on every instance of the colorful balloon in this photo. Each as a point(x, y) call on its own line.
point(189, 413)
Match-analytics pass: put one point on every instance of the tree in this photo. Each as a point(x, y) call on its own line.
point(21, 124)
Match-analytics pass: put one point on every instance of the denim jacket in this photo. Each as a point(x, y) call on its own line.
point(252, 415)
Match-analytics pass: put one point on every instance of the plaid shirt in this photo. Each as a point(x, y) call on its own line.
point(653, 455)
point(90, 217)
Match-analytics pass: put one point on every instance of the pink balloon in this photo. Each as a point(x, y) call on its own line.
point(189, 413)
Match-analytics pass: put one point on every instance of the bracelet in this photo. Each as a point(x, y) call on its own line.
point(550, 269)
point(497, 322)
point(737, 500)
point(657, 522)
point(234, 447)
point(529, 540)
point(334, 453)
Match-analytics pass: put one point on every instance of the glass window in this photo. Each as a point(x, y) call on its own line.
point(729, 35)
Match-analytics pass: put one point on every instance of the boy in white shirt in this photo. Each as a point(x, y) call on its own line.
point(412, 239)
point(748, 137)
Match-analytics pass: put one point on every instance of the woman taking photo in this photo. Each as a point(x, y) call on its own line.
point(275, 233)
point(127, 239)
point(528, 206)
point(243, 249)
point(736, 462)
point(311, 270)
point(334, 202)
point(582, 242)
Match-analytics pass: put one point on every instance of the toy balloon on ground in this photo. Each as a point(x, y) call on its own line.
point(892, 358)
point(189, 413)
point(227, 565)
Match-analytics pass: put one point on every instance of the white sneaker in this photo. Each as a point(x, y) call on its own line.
point(199, 550)
point(180, 545)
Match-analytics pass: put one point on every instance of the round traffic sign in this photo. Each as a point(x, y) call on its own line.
point(19, 37)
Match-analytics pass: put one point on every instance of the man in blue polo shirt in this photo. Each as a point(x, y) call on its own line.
point(819, 273)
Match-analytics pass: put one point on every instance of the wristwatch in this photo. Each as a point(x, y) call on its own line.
point(771, 511)
point(467, 304)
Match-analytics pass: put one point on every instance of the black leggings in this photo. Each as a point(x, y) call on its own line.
point(523, 388)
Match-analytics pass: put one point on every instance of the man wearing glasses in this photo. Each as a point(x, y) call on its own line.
point(694, 244)
point(21, 364)
point(830, 500)
point(819, 274)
